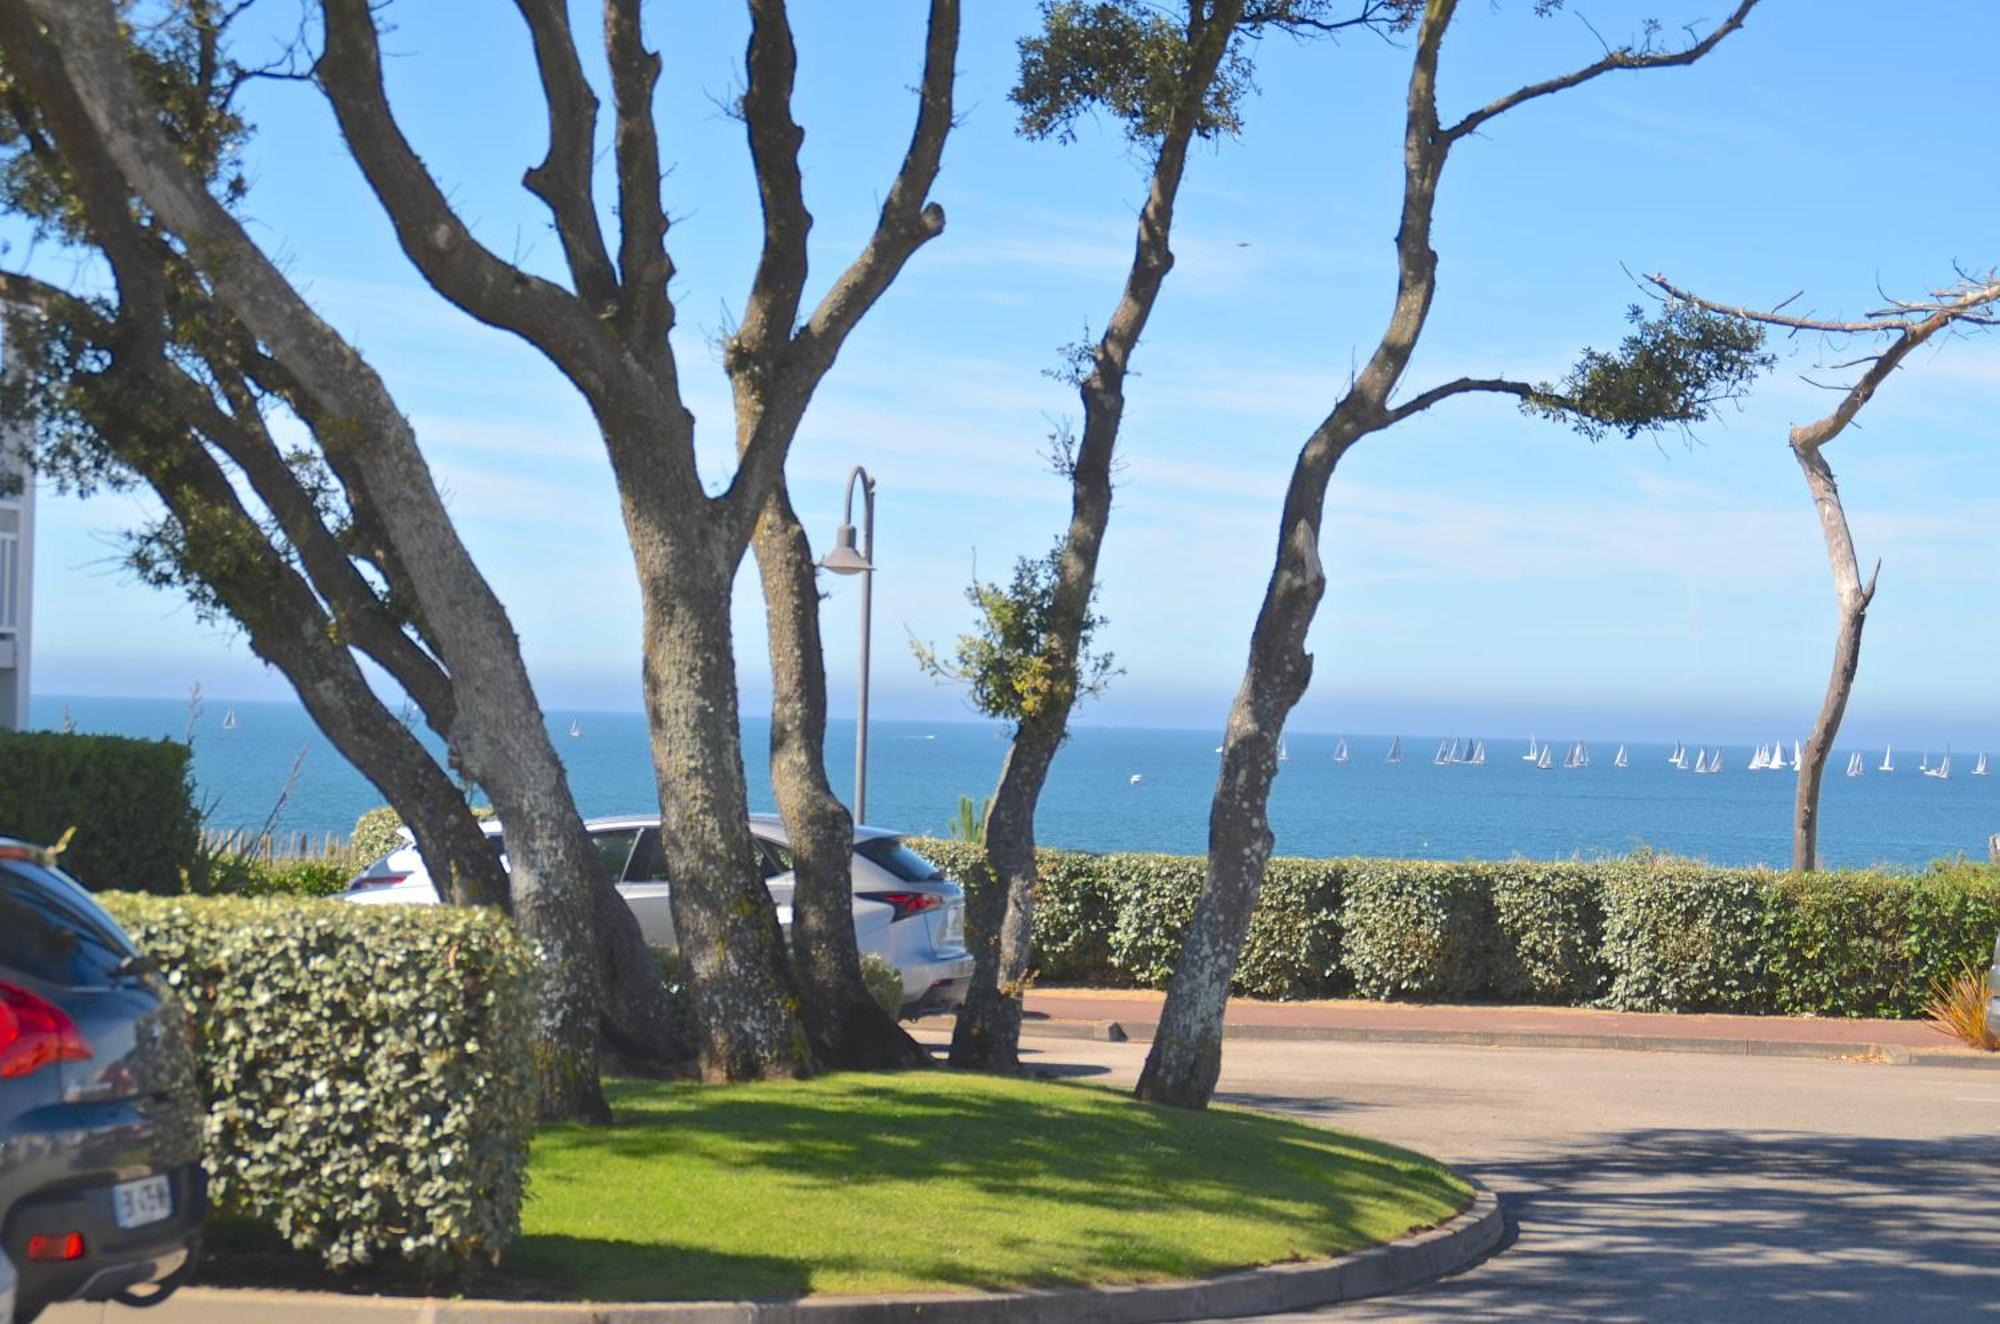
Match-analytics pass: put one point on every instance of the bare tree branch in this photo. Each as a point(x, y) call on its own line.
point(562, 180)
point(1623, 58)
point(646, 309)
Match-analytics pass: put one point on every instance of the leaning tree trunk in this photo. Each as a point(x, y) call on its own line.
point(848, 1029)
point(1854, 598)
point(745, 999)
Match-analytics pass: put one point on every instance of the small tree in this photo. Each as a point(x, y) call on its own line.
point(1186, 1056)
point(1894, 332)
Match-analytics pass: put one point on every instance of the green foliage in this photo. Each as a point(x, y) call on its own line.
point(234, 874)
point(1644, 933)
point(970, 825)
point(130, 802)
point(1419, 930)
point(1673, 369)
point(367, 1069)
point(1017, 662)
point(885, 983)
point(376, 833)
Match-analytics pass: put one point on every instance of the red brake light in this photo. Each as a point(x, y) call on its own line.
point(35, 1033)
point(906, 904)
point(57, 1249)
point(369, 881)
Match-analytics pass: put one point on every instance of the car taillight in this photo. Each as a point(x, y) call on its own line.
point(35, 1033)
point(905, 904)
point(59, 1248)
point(367, 882)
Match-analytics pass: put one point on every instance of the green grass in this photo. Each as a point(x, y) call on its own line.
point(940, 1182)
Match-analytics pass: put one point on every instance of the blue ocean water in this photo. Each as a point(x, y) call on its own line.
point(917, 771)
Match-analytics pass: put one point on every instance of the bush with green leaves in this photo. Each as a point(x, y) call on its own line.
point(368, 1070)
point(130, 801)
point(235, 874)
point(376, 833)
point(1643, 933)
point(884, 983)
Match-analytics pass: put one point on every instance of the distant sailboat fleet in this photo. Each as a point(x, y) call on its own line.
point(1705, 760)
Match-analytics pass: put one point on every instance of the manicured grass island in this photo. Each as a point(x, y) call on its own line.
point(939, 1182)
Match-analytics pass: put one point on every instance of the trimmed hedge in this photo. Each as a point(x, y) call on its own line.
point(130, 802)
point(1642, 933)
point(367, 1069)
point(252, 875)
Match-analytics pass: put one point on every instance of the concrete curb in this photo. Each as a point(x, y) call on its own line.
point(1395, 1267)
point(1901, 1055)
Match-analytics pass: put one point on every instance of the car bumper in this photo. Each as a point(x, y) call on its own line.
point(949, 982)
point(115, 1259)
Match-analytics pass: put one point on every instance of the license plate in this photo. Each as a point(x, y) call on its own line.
point(137, 1203)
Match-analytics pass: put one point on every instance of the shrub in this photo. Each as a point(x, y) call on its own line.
point(885, 984)
point(1685, 937)
point(1862, 944)
point(1550, 920)
point(1293, 949)
point(376, 833)
point(367, 1069)
point(1957, 1007)
point(1418, 930)
point(1156, 900)
point(129, 800)
point(232, 874)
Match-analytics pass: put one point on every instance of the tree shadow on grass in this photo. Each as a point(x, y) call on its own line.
point(1683, 1224)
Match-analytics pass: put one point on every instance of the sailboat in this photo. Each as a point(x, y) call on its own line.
point(1797, 762)
point(1283, 753)
point(1979, 768)
point(1447, 753)
point(1620, 759)
point(1924, 763)
point(1575, 759)
point(1701, 760)
point(1679, 757)
point(1888, 763)
point(1395, 751)
point(1545, 761)
point(229, 720)
point(1777, 763)
point(576, 730)
point(1943, 770)
point(1761, 759)
point(1533, 754)
point(1854, 764)
point(1715, 764)
point(1340, 751)
point(1478, 759)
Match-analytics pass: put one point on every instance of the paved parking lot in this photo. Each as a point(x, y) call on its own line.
point(1649, 1186)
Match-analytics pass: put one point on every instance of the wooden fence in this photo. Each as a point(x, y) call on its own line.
point(275, 845)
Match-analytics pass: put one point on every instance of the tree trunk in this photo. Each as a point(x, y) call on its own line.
point(1853, 597)
point(1186, 1057)
point(1000, 915)
point(724, 920)
point(848, 1029)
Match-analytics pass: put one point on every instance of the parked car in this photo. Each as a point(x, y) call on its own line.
point(905, 910)
point(101, 1190)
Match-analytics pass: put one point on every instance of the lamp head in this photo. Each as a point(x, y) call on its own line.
point(845, 558)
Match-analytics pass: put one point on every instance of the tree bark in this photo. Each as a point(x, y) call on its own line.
point(848, 1029)
point(1853, 598)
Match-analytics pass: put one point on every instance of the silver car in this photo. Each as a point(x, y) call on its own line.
point(905, 910)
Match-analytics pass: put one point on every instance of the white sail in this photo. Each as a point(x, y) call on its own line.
point(1854, 764)
point(1546, 760)
point(1760, 760)
point(1443, 755)
point(1575, 759)
point(1701, 760)
point(1478, 759)
point(1621, 760)
point(1283, 754)
point(575, 730)
point(1888, 763)
point(1777, 762)
point(1533, 754)
point(1715, 764)
point(229, 720)
point(1979, 768)
point(1797, 761)
point(1679, 756)
point(1395, 750)
point(1340, 751)
point(1943, 770)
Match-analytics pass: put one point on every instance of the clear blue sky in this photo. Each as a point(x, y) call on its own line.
point(1487, 571)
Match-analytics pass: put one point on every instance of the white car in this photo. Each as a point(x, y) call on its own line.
point(905, 910)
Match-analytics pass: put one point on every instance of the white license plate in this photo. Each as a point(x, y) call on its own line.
point(137, 1203)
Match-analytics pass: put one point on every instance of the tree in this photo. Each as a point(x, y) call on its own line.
point(607, 331)
point(1905, 325)
point(1169, 80)
point(352, 551)
point(1186, 1055)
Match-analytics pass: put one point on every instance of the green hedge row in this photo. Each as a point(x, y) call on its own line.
point(130, 802)
point(1643, 933)
point(367, 1069)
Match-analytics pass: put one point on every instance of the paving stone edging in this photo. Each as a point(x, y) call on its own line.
point(1902, 1055)
point(1393, 1267)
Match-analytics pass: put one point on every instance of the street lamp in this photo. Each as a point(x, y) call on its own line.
point(846, 559)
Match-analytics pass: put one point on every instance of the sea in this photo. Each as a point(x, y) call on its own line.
point(1122, 789)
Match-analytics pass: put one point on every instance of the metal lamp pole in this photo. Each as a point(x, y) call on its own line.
point(846, 559)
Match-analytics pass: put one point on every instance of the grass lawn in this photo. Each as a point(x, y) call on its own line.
point(939, 1182)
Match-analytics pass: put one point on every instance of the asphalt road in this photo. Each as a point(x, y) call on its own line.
point(1646, 1186)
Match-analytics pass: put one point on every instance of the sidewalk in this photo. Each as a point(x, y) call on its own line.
point(1134, 1014)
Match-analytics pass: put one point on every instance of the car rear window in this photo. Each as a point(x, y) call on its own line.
point(50, 930)
point(891, 854)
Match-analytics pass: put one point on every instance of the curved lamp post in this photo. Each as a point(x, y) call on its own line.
point(847, 559)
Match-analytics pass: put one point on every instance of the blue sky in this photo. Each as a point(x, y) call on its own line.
point(1487, 571)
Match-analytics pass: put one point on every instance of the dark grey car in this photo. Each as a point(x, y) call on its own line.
point(101, 1193)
